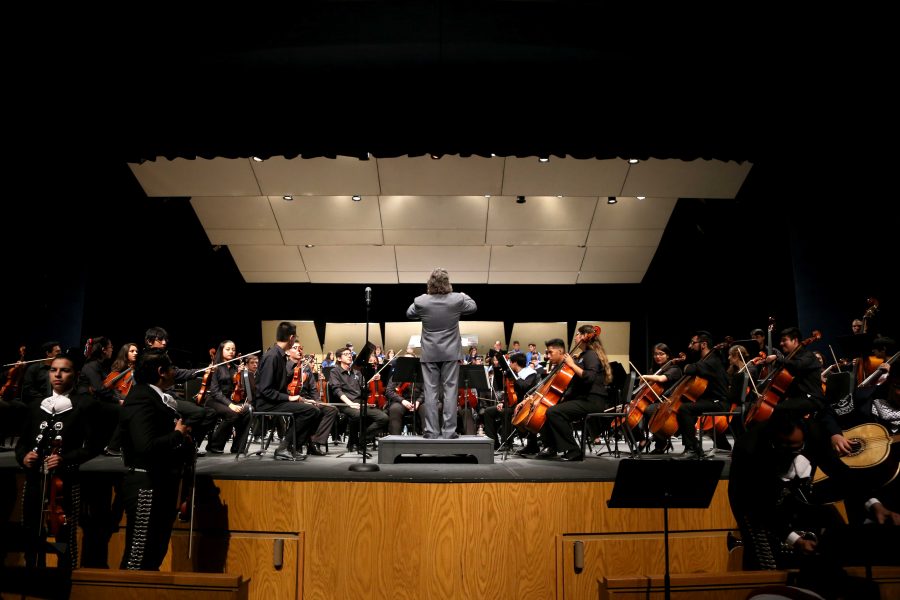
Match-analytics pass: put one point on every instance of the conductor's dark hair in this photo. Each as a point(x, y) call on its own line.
point(149, 362)
point(439, 282)
point(284, 331)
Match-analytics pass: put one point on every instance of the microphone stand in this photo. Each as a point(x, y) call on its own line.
point(364, 466)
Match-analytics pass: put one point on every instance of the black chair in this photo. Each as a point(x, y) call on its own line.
point(267, 428)
point(616, 421)
point(729, 414)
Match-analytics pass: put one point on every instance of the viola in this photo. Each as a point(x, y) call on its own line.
point(299, 376)
point(645, 395)
point(775, 389)
point(402, 388)
point(200, 396)
point(531, 413)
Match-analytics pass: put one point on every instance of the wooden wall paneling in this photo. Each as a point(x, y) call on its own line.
point(629, 554)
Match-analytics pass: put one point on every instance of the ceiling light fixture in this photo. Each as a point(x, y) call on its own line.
point(611, 200)
point(559, 195)
point(435, 156)
point(310, 245)
point(487, 195)
point(641, 197)
point(520, 199)
point(544, 159)
point(493, 155)
point(633, 161)
point(288, 197)
point(256, 158)
point(357, 197)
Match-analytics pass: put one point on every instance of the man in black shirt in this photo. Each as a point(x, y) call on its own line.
point(710, 368)
point(347, 384)
point(309, 393)
point(36, 381)
point(271, 386)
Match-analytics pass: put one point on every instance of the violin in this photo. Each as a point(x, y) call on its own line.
point(239, 392)
point(646, 394)
point(200, 396)
point(54, 515)
point(120, 381)
point(299, 376)
point(376, 394)
point(13, 384)
point(531, 413)
point(775, 389)
point(467, 398)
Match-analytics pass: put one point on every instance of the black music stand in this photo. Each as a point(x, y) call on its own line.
point(362, 361)
point(855, 346)
point(408, 369)
point(471, 376)
point(665, 484)
point(506, 433)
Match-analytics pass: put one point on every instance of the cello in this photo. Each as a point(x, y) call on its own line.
point(775, 389)
point(646, 394)
point(688, 389)
point(531, 413)
point(867, 365)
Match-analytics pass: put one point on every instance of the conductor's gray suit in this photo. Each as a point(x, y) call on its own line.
point(441, 351)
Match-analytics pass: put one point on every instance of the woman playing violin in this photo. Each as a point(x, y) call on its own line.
point(235, 416)
point(587, 392)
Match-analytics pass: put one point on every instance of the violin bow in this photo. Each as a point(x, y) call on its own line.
point(752, 383)
point(225, 362)
point(381, 369)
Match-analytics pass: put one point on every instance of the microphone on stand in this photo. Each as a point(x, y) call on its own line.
point(368, 296)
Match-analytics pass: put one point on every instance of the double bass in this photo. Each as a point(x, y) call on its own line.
point(867, 365)
point(531, 413)
point(774, 390)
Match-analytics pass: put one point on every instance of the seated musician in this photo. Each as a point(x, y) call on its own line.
point(271, 383)
point(804, 394)
point(235, 416)
point(709, 367)
point(309, 393)
point(586, 393)
point(71, 416)
point(738, 363)
point(526, 378)
point(662, 354)
point(348, 385)
point(782, 519)
point(404, 402)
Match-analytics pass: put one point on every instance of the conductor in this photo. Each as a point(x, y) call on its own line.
point(439, 310)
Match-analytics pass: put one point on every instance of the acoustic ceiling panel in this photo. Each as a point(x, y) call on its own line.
point(563, 176)
point(446, 176)
point(196, 177)
point(339, 176)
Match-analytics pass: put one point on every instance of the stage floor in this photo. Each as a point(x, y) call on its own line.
point(407, 469)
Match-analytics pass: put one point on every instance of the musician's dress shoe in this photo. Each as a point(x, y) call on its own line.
point(572, 455)
point(314, 450)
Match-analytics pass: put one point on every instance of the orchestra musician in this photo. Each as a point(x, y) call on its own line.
point(804, 395)
point(661, 355)
point(69, 415)
point(588, 392)
point(36, 381)
point(439, 310)
point(348, 385)
point(156, 446)
point(309, 392)
point(235, 416)
point(200, 419)
point(526, 378)
point(271, 384)
point(710, 368)
point(407, 401)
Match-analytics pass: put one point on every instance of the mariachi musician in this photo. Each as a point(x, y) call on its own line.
point(587, 392)
point(57, 438)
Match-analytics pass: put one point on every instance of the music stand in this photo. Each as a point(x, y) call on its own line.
point(855, 346)
point(408, 369)
point(362, 361)
point(665, 484)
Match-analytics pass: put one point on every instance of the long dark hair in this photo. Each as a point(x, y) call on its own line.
point(597, 346)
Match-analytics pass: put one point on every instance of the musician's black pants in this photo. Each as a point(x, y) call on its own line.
point(150, 506)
